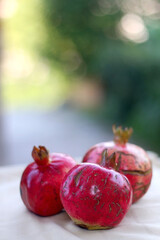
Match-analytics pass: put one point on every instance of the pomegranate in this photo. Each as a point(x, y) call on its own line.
point(41, 180)
point(95, 197)
point(130, 159)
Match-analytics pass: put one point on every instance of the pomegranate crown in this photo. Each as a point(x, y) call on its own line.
point(40, 155)
point(121, 136)
point(108, 161)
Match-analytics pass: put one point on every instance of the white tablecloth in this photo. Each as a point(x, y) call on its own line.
point(17, 223)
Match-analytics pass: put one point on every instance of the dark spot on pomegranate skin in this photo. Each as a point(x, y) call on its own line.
point(105, 180)
point(102, 205)
point(140, 166)
point(137, 172)
point(127, 181)
point(95, 189)
point(88, 178)
point(126, 154)
point(56, 198)
point(82, 226)
point(143, 188)
point(110, 209)
point(65, 185)
point(77, 177)
point(97, 202)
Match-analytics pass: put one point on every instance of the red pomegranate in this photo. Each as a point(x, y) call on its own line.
point(95, 197)
point(130, 159)
point(41, 180)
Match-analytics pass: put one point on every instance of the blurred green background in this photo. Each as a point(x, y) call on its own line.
point(101, 57)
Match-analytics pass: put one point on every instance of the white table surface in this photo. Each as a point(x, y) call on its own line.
point(142, 221)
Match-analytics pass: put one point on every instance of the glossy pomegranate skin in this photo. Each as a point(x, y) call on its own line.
point(131, 160)
point(40, 184)
point(95, 197)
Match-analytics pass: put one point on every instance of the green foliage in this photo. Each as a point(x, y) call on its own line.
point(75, 31)
point(130, 75)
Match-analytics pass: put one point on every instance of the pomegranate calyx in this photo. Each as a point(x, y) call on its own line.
point(40, 155)
point(109, 161)
point(121, 136)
